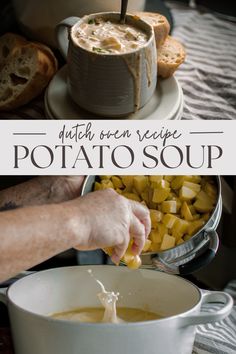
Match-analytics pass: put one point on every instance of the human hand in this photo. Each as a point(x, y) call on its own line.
point(110, 219)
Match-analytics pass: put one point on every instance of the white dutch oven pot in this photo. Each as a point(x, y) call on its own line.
point(32, 298)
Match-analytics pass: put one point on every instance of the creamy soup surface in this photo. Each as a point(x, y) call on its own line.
point(110, 37)
point(109, 313)
point(96, 315)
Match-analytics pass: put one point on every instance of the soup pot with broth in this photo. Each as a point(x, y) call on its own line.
point(39, 18)
point(33, 299)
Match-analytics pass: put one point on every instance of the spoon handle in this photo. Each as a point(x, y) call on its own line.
point(124, 5)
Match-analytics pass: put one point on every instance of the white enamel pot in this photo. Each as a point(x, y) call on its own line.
point(32, 298)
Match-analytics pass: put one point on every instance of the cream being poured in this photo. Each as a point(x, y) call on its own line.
point(108, 300)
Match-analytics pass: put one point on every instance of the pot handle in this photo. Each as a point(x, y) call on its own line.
point(62, 34)
point(203, 259)
point(209, 297)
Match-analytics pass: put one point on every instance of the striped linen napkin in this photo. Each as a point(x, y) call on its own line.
point(208, 77)
point(219, 337)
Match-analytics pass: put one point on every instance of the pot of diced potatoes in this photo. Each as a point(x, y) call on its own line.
point(185, 212)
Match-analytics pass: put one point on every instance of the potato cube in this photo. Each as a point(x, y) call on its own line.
point(155, 236)
point(147, 246)
point(180, 228)
point(195, 226)
point(97, 186)
point(187, 237)
point(169, 178)
point(169, 206)
point(145, 196)
point(117, 182)
point(160, 194)
point(177, 182)
point(140, 183)
point(194, 186)
point(167, 242)
point(186, 212)
point(203, 203)
point(105, 184)
point(105, 177)
point(131, 196)
point(194, 179)
point(169, 220)
point(155, 247)
point(211, 191)
point(186, 193)
point(128, 182)
point(156, 217)
point(155, 178)
point(135, 263)
point(180, 241)
point(128, 257)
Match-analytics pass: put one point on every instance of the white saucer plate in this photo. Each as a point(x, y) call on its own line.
point(166, 103)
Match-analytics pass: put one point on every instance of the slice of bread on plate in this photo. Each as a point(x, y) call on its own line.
point(25, 70)
point(159, 23)
point(170, 56)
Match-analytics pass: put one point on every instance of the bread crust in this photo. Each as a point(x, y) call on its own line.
point(45, 66)
point(170, 56)
point(159, 23)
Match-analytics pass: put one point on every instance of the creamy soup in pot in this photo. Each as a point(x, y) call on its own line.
point(110, 37)
point(96, 315)
point(109, 313)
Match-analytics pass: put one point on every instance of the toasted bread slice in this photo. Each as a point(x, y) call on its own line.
point(26, 69)
point(170, 56)
point(159, 23)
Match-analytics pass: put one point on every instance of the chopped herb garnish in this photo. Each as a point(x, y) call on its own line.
point(98, 50)
point(91, 21)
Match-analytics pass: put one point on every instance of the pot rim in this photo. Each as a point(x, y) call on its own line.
point(110, 325)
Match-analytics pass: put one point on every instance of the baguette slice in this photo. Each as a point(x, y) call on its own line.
point(159, 23)
point(170, 56)
point(26, 69)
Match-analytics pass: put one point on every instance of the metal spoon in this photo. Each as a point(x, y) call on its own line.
point(124, 5)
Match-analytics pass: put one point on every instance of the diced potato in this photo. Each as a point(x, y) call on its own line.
point(194, 186)
point(155, 236)
point(128, 257)
point(195, 226)
point(169, 206)
point(135, 263)
point(155, 178)
point(117, 182)
point(111, 43)
point(145, 196)
point(179, 242)
point(187, 237)
point(128, 182)
point(105, 184)
point(206, 216)
point(211, 191)
point(147, 245)
point(194, 179)
point(156, 217)
point(155, 247)
point(169, 220)
point(97, 186)
point(118, 190)
point(167, 242)
point(203, 203)
point(186, 193)
point(140, 183)
point(177, 182)
point(105, 177)
point(180, 228)
point(186, 212)
point(131, 196)
point(160, 194)
point(169, 178)
point(192, 209)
